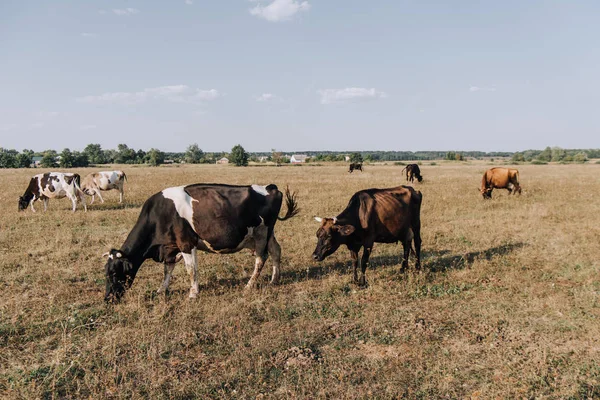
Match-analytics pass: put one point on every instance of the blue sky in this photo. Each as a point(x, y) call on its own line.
point(300, 74)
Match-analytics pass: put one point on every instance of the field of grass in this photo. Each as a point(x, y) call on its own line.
point(507, 305)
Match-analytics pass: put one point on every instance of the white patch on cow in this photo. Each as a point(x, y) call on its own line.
point(260, 189)
point(111, 257)
point(318, 219)
point(183, 203)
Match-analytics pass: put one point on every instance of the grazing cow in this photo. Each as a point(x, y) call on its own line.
point(500, 178)
point(104, 180)
point(413, 171)
point(354, 166)
point(373, 216)
point(213, 218)
point(52, 185)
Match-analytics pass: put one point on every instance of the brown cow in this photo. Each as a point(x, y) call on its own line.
point(500, 178)
point(413, 171)
point(373, 215)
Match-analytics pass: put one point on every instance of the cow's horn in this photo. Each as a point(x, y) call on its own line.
point(318, 219)
point(106, 254)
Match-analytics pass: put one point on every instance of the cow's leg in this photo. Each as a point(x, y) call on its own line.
point(364, 263)
point(275, 252)
point(518, 189)
point(73, 201)
point(417, 241)
point(121, 194)
point(82, 199)
point(168, 272)
point(258, 266)
point(31, 203)
point(191, 265)
point(354, 255)
point(406, 247)
point(93, 198)
point(99, 195)
point(45, 201)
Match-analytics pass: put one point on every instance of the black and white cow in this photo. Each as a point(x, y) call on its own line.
point(214, 218)
point(52, 185)
point(104, 180)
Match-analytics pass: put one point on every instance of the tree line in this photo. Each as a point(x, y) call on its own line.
point(123, 154)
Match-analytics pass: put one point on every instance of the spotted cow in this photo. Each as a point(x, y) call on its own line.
point(103, 180)
point(214, 218)
point(52, 185)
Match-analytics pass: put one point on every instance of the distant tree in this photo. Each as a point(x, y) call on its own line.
point(580, 157)
point(558, 154)
point(24, 159)
point(125, 155)
point(368, 158)
point(356, 158)
point(459, 157)
point(80, 159)
point(238, 156)
point(518, 157)
point(94, 153)
point(276, 157)
point(8, 158)
point(193, 154)
point(66, 159)
point(545, 155)
point(155, 157)
point(49, 159)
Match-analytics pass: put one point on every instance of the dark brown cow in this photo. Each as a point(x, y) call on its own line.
point(500, 178)
point(413, 171)
point(373, 216)
point(354, 166)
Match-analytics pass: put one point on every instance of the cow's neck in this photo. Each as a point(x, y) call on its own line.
point(137, 244)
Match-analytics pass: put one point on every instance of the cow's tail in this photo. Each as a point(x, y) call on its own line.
point(403, 169)
point(291, 204)
point(484, 181)
point(77, 179)
point(124, 176)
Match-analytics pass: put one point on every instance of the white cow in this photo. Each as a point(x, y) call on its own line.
point(103, 180)
point(52, 185)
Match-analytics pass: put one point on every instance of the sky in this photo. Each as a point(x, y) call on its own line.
point(343, 75)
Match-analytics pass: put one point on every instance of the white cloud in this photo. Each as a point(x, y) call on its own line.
point(125, 11)
point(7, 127)
point(174, 93)
point(189, 2)
point(87, 127)
point(331, 96)
point(37, 125)
point(482, 89)
point(88, 35)
point(265, 97)
point(279, 10)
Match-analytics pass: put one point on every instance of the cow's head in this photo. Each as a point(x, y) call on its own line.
point(120, 273)
point(23, 203)
point(330, 236)
point(486, 193)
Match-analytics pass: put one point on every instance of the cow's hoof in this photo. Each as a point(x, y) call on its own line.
point(193, 295)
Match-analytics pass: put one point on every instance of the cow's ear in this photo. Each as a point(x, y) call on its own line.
point(318, 219)
point(346, 230)
point(106, 254)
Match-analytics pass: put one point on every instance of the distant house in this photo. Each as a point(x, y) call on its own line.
point(347, 158)
point(298, 158)
point(36, 161)
point(263, 159)
point(168, 162)
point(223, 160)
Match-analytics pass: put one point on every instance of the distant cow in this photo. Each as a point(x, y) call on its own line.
point(373, 216)
point(500, 178)
point(209, 217)
point(104, 180)
point(52, 185)
point(413, 171)
point(354, 166)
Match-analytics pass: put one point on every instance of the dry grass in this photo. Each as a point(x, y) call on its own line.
point(507, 306)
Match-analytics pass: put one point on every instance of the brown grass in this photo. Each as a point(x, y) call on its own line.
point(507, 306)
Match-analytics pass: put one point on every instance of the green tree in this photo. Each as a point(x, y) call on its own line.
point(558, 154)
point(80, 159)
point(238, 156)
point(125, 155)
point(24, 158)
point(276, 157)
point(518, 157)
point(193, 154)
point(356, 158)
point(66, 159)
point(94, 153)
point(8, 158)
point(155, 157)
point(545, 155)
point(49, 159)
point(580, 157)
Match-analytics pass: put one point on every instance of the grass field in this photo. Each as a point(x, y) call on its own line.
point(507, 306)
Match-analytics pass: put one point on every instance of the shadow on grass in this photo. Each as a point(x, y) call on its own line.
point(97, 206)
point(444, 262)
